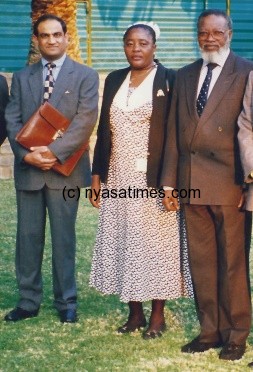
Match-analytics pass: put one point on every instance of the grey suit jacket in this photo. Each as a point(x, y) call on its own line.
point(75, 94)
point(245, 137)
point(203, 153)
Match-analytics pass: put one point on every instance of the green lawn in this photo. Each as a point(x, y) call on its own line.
point(92, 344)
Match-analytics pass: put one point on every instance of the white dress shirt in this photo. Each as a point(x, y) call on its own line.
point(215, 72)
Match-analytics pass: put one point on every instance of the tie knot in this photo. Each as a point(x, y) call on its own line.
point(50, 65)
point(211, 66)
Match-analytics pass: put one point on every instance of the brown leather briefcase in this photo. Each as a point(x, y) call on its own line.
point(45, 126)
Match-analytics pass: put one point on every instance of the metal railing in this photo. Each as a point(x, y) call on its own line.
point(228, 5)
point(88, 9)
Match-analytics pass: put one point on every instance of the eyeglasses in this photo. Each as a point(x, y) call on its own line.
point(215, 34)
point(56, 35)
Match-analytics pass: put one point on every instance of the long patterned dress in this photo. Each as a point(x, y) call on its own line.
point(137, 253)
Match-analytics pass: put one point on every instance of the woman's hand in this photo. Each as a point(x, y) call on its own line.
point(95, 191)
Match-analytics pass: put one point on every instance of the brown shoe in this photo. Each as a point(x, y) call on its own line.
point(232, 351)
point(196, 346)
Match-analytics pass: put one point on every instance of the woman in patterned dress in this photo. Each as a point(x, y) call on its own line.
point(137, 253)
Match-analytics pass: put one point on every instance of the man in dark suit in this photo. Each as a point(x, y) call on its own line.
point(4, 94)
point(202, 153)
point(75, 95)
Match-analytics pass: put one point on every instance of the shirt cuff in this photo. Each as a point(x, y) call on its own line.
point(166, 188)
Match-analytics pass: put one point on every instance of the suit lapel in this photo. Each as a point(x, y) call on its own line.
point(160, 92)
point(60, 87)
point(62, 81)
point(221, 87)
point(160, 101)
point(158, 87)
point(36, 83)
point(191, 83)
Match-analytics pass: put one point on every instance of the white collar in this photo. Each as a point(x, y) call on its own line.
point(141, 94)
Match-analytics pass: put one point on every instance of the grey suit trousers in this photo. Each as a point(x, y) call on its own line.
point(32, 209)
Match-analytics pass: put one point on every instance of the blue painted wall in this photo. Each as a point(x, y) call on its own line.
point(15, 30)
point(177, 18)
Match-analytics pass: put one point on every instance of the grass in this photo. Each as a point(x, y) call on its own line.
point(44, 344)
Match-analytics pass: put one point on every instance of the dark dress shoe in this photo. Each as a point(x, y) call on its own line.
point(196, 346)
point(232, 351)
point(20, 314)
point(128, 328)
point(154, 333)
point(68, 316)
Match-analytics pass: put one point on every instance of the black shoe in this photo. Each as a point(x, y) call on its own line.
point(20, 314)
point(196, 346)
point(155, 333)
point(68, 316)
point(128, 328)
point(232, 351)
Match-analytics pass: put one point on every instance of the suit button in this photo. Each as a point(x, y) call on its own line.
point(220, 129)
point(193, 152)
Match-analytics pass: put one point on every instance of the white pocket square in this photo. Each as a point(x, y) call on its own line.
point(160, 93)
point(67, 92)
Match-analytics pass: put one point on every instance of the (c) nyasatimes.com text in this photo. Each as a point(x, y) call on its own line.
point(135, 193)
point(130, 192)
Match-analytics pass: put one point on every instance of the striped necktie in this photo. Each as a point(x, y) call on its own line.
point(203, 94)
point(49, 82)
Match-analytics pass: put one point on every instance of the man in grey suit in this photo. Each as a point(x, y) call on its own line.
point(202, 154)
point(38, 187)
point(4, 94)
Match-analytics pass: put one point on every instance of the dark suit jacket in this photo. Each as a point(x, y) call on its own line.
point(4, 94)
point(75, 94)
point(163, 82)
point(202, 153)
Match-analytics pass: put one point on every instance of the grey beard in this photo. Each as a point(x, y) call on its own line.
point(214, 57)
